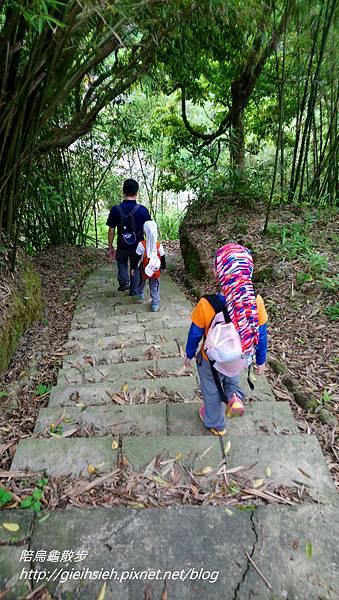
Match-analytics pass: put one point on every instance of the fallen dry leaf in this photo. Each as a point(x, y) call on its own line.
point(11, 526)
point(102, 592)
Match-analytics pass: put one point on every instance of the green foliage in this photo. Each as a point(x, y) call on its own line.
point(101, 230)
point(326, 397)
point(332, 312)
point(3, 394)
point(33, 500)
point(5, 497)
point(302, 278)
point(42, 389)
point(294, 241)
point(39, 15)
point(168, 225)
point(330, 284)
point(57, 429)
point(241, 225)
point(165, 104)
point(317, 262)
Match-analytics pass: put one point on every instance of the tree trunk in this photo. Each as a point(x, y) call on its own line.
point(237, 142)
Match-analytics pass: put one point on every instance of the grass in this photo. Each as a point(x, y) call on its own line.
point(297, 242)
point(168, 225)
point(332, 312)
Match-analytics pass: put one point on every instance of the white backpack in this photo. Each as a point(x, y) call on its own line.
point(153, 265)
point(223, 344)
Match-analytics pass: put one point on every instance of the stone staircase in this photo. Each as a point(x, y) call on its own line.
point(123, 377)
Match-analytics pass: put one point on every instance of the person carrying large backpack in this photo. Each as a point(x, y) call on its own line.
point(128, 218)
point(232, 324)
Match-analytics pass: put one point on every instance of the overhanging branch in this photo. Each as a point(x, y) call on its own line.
point(208, 137)
point(244, 85)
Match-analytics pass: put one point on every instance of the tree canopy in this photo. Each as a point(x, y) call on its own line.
point(197, 94)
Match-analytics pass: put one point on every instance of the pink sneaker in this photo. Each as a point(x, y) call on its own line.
point(235, 407)
point(212, 430)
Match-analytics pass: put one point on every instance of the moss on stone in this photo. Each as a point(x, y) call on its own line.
point(25, 307)
point(190, 253)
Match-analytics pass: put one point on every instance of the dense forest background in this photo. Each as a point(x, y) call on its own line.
point(227, 114)
point(195, 99)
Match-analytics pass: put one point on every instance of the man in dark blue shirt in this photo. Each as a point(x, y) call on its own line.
point(129, 218)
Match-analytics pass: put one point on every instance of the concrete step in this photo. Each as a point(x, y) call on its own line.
point(107, 420)
point(66, 455)
point(168, 289)
point(294, 460)
point(121, 355)
point(271, 418)
point(120, 300)
point(131, 319)
point(177, 332)
point(127, 330)
point(141, 390)
point(111, 342)
point(125, 372)
point(182, 540)
point(84, 314)
point(166, 389)
point(73, 455)
point(121, 373)
point(165, 419)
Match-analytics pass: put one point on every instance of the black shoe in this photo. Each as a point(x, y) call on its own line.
point(123, 288)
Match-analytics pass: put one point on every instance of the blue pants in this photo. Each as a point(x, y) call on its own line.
point(214, 407)
point(154, 289)
point(125, 278)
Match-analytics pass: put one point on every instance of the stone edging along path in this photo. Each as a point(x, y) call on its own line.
point(124, 393)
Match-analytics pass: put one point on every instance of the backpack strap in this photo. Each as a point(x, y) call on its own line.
point(218, 306)
point(131, 216)
point(121, 214)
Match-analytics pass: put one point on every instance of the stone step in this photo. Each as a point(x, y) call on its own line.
point(178, 332)
point(168, 289)
point(127, 330)
point(122, 300)
point(107, 420)
point(121, 373)
point(176, 389)
point(131, 319)
point(121, 355)
point(271, 418)
point(136, 308)
point(294, 460)
point(125, 372)
point(66, 455)
point(181, 540)
point(111, 342)
point(98, 278)
point(73, 455)
point(165, 419)
point(179, 388)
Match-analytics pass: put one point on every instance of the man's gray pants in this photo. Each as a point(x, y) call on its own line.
point(125, 278)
